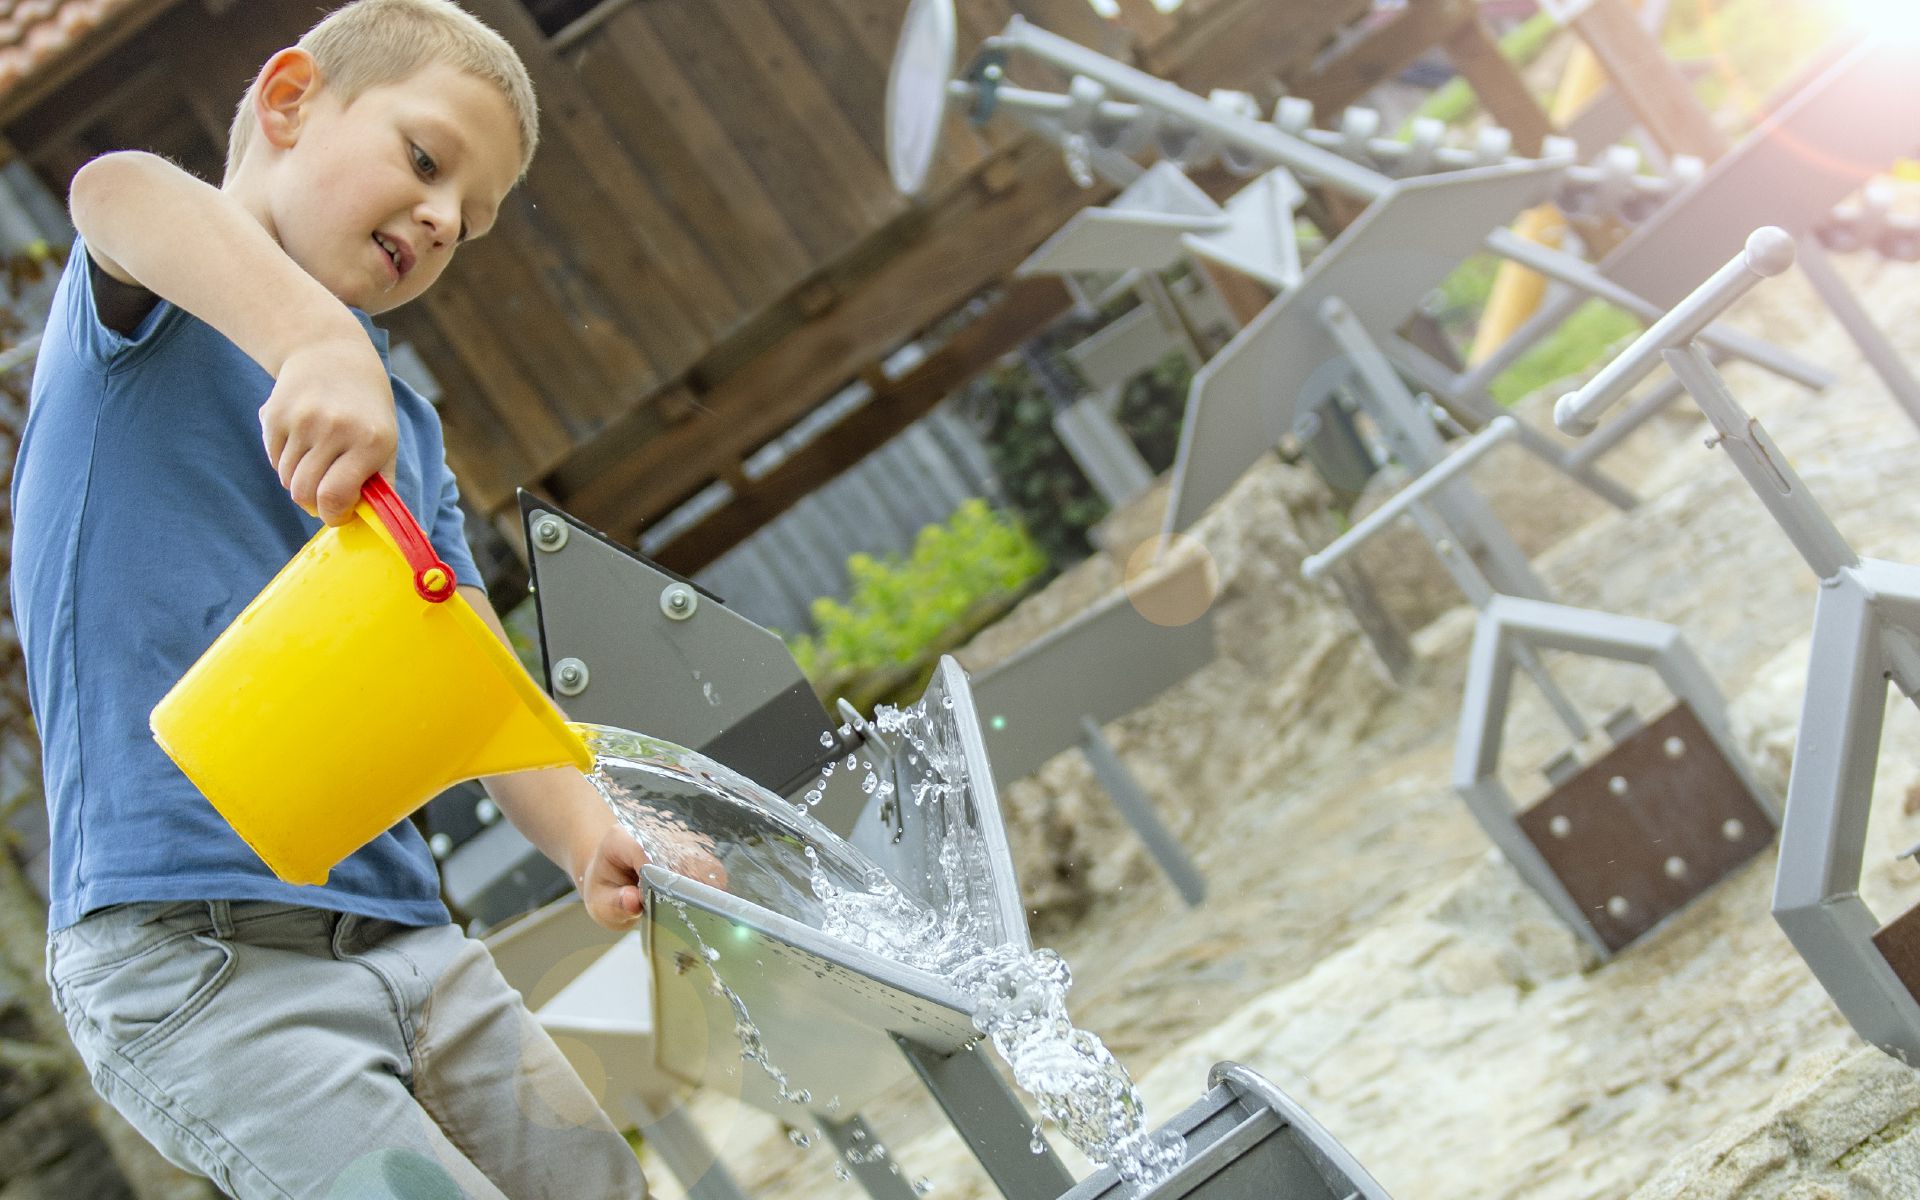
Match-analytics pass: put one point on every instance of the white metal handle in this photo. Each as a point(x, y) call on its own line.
point(1500, 429)
point(1768, 252)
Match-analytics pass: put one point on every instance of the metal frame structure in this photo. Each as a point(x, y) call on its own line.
point(1109, 660)
point(1666, 840)
point(844, 1023)
point(1866, 636)
point(590, 988)
point(1824, 141)
point(1676, 821)
point(629, 644)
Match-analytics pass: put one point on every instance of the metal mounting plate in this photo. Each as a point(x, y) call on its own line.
point(1616, 841)
point(1406, 242)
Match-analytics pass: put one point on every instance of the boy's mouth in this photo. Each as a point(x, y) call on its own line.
point(399, 254)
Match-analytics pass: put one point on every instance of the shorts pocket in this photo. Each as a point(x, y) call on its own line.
point(137, 1003)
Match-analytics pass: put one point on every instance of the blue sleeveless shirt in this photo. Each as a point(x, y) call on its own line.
point(146, 516)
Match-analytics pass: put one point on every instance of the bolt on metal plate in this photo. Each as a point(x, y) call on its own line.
point(1640, 832)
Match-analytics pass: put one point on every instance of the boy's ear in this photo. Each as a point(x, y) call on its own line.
point(286, 85)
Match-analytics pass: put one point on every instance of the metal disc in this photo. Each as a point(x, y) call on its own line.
point(917, 91)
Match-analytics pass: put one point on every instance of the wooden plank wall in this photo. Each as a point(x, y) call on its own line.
point(708, 243)
point(698, 163)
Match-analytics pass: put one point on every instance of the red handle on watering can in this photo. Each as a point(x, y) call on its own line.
point(432, 578)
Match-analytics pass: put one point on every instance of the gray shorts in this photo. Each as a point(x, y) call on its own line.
point(294, 1052)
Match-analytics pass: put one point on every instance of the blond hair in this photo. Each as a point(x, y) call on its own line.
point(368, 43)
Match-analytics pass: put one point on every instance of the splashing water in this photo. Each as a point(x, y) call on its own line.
point(681, 806)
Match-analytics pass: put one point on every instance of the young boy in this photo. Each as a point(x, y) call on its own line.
point(210, 389)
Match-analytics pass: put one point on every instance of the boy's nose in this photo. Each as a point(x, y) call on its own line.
point(438, 220)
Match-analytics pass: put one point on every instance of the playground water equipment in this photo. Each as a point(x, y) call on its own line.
point(1832, 130)
point(630, 645)
point(1626, 838)
point(1111, 110)
point(843, 1022)
point(627, 643)
point(591, 990)
point(1865, 624)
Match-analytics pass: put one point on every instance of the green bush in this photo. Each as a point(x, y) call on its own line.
point(1044, 486)
point(901, 605)
point(1152, 407)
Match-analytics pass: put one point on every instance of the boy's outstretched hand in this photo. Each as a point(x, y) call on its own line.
point(610, 885)
point(329, 423)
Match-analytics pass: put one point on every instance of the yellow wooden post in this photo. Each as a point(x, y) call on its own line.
point(1517, 291)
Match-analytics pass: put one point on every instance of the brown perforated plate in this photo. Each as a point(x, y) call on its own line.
point(1674, 825)
point(1899, 943)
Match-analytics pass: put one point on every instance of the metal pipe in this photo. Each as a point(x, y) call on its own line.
point(1768, 252)
point(1500, 429)
point(1249, 136)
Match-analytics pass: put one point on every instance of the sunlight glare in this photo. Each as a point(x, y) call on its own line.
point(1895, 20)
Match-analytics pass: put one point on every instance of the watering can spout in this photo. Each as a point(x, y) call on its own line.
point(522, 742)
point(354, 688)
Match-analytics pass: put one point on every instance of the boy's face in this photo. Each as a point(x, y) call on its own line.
point(372, 197)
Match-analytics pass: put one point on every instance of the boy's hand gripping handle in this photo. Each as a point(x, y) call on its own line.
point(432, 578)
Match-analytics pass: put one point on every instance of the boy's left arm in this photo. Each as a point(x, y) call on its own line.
point(567, 820)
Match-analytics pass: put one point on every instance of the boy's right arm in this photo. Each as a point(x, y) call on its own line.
point(329, 423)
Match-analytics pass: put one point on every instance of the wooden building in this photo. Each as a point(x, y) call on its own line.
point(708, 245)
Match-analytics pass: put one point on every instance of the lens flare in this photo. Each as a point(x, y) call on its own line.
point(1894, 20)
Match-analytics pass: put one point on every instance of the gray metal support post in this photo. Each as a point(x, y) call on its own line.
point(1874, 346)
point(676, 1139)
point(1766, 469)
point(869, 1161)
point(1131, 799)
point(996, 1126)
point(1816, 897)
point(1414, 441)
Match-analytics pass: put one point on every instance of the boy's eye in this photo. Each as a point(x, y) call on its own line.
point(423, 162)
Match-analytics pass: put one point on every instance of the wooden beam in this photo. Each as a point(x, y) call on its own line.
point(1647, 79)
point(1475, 53)
point(698, 302)
point(1383, 53)
point(975, 240)
point(1245, 43)
point(1028, 306)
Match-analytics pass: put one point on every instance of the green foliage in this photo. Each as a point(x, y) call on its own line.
point(1464, 293)
point(1753, 46)
point(1152, 407)
point(1044, 485)
point(1583, 340)
point(1454, 100)
point(899, 605)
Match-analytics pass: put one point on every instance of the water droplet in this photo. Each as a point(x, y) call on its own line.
point(712, 954)
point(1039, 1143)
point(799, 1138)
point(841, 1173)
point(852, 759)
point(826, 736)
point(870, 784)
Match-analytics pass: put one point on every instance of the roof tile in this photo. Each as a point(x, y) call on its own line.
point(36, 33)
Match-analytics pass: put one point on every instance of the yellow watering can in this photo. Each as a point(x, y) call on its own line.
point(354, 688)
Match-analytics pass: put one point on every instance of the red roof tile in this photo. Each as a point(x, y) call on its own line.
point(36, 33)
